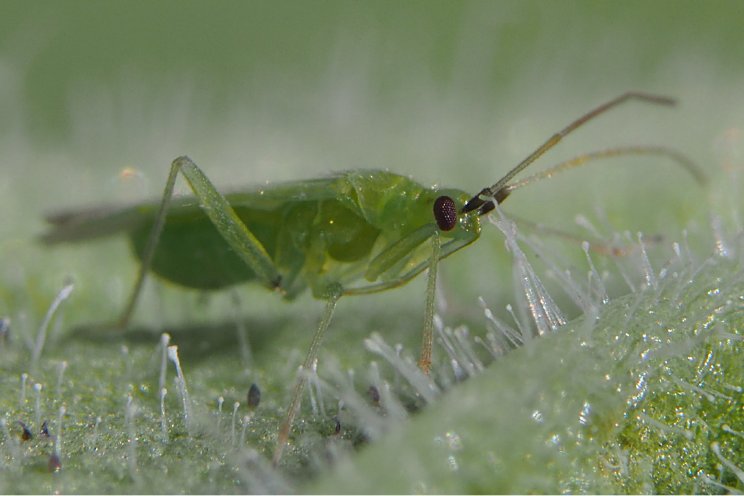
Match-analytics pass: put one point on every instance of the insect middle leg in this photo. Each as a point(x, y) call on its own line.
point(333, 295)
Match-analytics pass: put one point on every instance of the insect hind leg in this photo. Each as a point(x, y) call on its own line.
point(224, 218)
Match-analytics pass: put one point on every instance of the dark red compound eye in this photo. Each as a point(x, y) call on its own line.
point(445, 213)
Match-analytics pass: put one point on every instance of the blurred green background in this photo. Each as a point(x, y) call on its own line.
point(452, 93)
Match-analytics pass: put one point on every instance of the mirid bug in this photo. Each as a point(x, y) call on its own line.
point(353, 233)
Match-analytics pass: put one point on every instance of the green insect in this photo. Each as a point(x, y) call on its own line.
point(353, 233)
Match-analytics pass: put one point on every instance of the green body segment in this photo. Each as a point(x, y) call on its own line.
point(317, 232)
point(356, 228)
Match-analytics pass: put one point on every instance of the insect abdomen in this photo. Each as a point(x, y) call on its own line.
point(192, 253)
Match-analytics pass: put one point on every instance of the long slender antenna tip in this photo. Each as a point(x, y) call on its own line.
point(500, 190)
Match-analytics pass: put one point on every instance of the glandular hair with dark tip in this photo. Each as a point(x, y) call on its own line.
point(4, 329)
point(253, 397)
point(336, 426)
point(374, 395)
point(26, 433)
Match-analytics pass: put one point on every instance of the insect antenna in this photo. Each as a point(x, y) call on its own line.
point(499, 191)
point(680, 159)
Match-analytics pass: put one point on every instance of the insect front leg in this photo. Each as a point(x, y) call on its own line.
point(427, 337)
point(389, 257)
point(224, 218)
point(333, 295)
